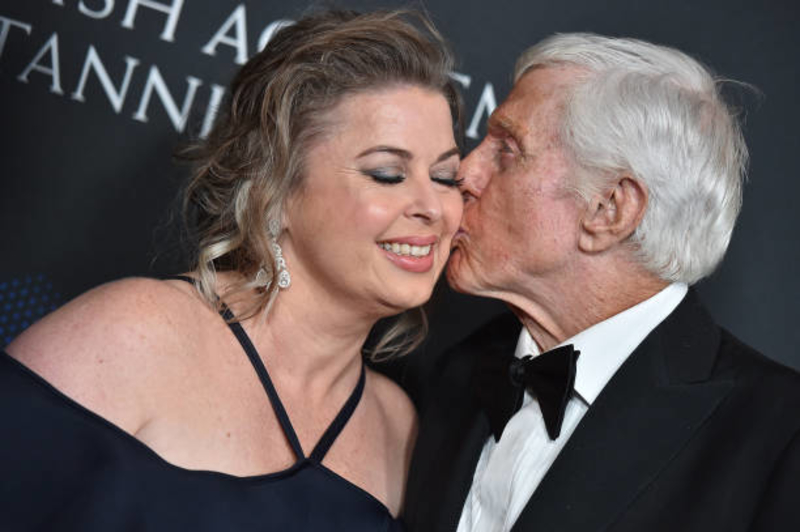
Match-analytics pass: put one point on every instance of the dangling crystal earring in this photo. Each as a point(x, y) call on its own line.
point(262, 280)
point(284, 279)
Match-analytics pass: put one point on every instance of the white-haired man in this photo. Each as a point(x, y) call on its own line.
point(609, 181)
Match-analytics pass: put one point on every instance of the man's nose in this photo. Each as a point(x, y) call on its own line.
point(474, 174)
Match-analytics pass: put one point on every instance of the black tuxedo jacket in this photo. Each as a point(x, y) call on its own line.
point(696, 431)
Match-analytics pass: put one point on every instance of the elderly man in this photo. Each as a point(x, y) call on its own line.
point(608, 183)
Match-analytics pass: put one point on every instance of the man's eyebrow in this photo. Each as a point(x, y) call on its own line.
point(502, 124)
point(405, 154)
point(499, 125)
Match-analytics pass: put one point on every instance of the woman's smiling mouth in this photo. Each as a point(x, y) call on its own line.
point(412, 254)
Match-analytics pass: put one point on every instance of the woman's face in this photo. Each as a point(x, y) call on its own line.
point(371, 224)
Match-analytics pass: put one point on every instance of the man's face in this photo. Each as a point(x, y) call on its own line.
point(521, 224)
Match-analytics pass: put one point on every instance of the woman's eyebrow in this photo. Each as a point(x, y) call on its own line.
point(449, 153)
point(405, 154)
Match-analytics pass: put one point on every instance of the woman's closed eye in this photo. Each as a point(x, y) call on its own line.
point(450, 180)
point(393, 176)
point(386, 176)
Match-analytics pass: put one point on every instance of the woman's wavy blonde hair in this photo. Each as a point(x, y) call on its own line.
point(253, 158)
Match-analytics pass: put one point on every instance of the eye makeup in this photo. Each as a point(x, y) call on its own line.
point(388, 176)
point(454, 182)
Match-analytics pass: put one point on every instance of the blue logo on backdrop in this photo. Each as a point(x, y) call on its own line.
point(24, 300)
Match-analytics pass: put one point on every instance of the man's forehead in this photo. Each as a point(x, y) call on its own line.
point(538, 92)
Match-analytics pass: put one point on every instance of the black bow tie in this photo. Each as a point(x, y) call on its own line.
point(500, 381)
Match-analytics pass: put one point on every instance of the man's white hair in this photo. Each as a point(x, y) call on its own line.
point(656, 114)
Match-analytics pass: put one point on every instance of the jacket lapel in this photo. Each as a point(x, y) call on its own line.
point(462, 451)
point(648, 411)
point(454, 433)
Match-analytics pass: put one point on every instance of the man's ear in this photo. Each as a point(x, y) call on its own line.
point(611, 217)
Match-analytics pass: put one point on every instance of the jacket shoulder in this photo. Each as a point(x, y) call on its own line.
point(751, 368)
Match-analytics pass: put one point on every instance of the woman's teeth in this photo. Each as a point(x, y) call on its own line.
point(406, 249)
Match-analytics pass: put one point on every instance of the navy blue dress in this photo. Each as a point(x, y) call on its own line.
point(64, 468)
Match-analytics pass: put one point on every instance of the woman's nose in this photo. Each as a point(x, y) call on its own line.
point(426, 202)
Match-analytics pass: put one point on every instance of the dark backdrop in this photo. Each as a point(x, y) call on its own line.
point(89, 185)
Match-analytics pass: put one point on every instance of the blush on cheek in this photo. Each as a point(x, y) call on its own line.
point(373, 212)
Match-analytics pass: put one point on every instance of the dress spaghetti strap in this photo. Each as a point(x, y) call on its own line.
point(341, 419)
point(337, 425)
point(186, 278)
point(266, 382)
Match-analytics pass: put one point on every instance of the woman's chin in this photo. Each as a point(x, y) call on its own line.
point(398, 302)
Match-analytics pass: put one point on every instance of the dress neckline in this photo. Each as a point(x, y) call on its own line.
point(138, 446)
point(334, 428)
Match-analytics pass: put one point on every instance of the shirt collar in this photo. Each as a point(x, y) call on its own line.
point(606, 345)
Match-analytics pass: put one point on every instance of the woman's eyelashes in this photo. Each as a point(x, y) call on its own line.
point(386, 176)
point(394, 177)
point(449, 181)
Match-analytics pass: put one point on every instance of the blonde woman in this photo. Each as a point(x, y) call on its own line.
point(236, 397)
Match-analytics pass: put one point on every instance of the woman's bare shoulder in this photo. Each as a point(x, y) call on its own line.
point(107, 347)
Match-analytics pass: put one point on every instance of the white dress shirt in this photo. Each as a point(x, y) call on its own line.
point(509, 470)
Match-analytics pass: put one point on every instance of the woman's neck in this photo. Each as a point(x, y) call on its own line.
point(312, 341)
